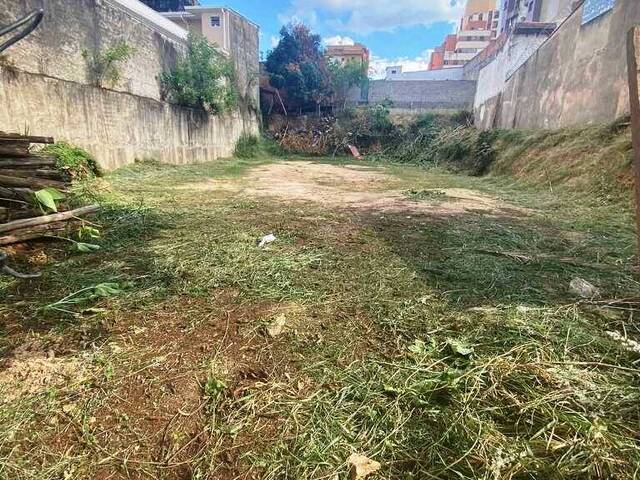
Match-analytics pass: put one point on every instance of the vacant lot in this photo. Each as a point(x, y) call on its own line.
point(419, 318)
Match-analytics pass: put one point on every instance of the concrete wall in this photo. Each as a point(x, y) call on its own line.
point(442, 74)
point(244, 43)
point(424, 95)
point(46, 88)
point(578, 76)
point(556, 10)
point(493, 76)
point(71, 27)
point(116, 127)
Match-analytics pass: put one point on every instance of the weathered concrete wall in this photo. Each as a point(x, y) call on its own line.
point(578, 76)
point(116, 127)
point(422, 94)
point(245, 38)
point(515, 52)
point(72, 27)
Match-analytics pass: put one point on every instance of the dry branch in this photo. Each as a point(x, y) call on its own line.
point(8, 137)
point(27, 162)
point(30, 182)
point(31, 233)
point(47, 219)
point(14, 149)
point(50, 173)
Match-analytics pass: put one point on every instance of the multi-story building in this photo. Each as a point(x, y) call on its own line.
point(477, 29)
point(170, 5)
point(544, 11)
point(344, 54)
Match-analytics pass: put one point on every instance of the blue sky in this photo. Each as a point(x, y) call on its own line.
point(396, 31)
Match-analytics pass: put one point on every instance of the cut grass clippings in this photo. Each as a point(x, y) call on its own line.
point(405, 341)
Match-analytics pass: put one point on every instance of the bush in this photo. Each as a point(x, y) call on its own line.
point(248, 146)
point(79, 163)
point(203, 79)
point(252, 146)
point(104, 67)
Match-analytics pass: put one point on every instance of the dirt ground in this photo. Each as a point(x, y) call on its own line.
point(350, 334)
point(358, 187)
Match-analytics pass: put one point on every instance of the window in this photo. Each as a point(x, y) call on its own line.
point(215, 21)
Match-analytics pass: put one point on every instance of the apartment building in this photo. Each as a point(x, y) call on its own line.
point(544, 11)
point(477, 29)
point(344, 54)
point(169, 5)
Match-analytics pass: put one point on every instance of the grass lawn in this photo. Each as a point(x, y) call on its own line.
point(420, 318)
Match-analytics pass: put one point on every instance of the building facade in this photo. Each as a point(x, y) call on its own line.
point(169, 5)
point(345, 54)
point(477, 29)
point(545, 11)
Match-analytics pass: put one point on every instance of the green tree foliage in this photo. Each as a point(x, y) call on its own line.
point(297, 66)
point(346, 76)
point(203, 79)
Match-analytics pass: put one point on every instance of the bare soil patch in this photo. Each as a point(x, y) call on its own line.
point(359, 187)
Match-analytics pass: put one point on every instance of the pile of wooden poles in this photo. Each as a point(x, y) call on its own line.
point(22, 174)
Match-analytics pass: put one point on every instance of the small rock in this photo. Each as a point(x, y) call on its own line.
point(582, 288)
point(360, 467)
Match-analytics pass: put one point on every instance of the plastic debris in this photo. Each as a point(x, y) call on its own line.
point(266, 240)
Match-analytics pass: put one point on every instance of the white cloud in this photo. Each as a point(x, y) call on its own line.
point(274, 41)
point(338, 40)
point(367, 16)
point(378, 65)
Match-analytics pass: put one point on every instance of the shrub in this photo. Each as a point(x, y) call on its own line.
point(247, 147)
point(104, 67)
point(252, 146)
point(76, 161)
point(203, 79)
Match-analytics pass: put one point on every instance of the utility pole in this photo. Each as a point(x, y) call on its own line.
point(633, 61)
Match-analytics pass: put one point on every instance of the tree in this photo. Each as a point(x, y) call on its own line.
point(203, 79)
point(297, 66)
point(346, 76)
